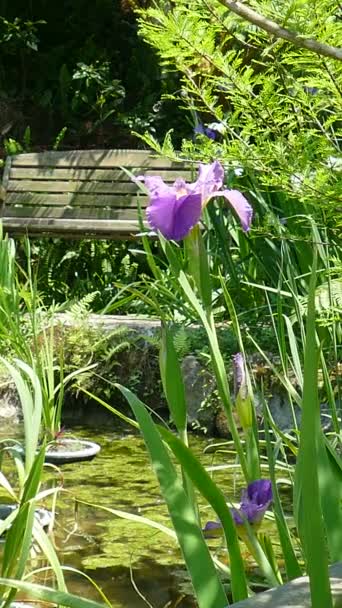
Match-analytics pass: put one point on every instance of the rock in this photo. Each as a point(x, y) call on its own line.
point(199, 393)
point(281, 410)
point(10, 410)
point(295, 594)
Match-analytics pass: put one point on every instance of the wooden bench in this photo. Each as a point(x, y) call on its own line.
point(81, 193)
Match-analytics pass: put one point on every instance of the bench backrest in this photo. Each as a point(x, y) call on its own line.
point(80, 193)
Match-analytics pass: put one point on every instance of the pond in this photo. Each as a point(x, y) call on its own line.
point(129, 561)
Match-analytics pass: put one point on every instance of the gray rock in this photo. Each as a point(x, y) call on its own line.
point(199, 388)
point(295, 594)
point(10, 410)
point(281, 410)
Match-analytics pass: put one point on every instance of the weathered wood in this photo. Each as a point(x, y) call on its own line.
point(94, 159)
point(72, 213)
point(64, 186)
point(14, 199)
point(82, 193)
point(7, 170)
point(105, 174)
point(114, 229)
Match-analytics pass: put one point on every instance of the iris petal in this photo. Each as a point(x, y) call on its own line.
point(240, 205)
point(187, 215)
point(156, 185)
point(255, 500)
point(175, 210)
point(210, 179)
point(174, 217)
point(160, 213)
point(260, 491)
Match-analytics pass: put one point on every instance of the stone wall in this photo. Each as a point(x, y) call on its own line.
point(137, 367)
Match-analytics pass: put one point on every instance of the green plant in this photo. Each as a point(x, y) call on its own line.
point(95, 91)
point(21, 524)
point(317, 461)
point(30, 332)
point(276, 103)
point(19, 33)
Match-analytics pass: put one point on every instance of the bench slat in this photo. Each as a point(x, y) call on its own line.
point(106, 174)
point(72, 213)
point(81, 193)
point(52, 200)
point(94, 159)
point(80, 228)
point(81, 187)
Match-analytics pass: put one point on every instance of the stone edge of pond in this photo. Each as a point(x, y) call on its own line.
point(295, 594)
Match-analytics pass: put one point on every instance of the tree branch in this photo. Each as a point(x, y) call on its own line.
point(280, 32)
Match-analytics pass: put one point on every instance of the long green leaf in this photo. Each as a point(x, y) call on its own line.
point(172, 379)
point(308, 509)
point(199, 265)
point(27, 404)
point(216, 499)
point(47, 594)
point(49, 551)
point(219, 369)
point(205, 580)
point(292, 567)
point(330, 487)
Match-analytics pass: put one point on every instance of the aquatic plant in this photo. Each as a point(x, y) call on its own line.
point(190, 265)
point(255, 501)
point(21, 524)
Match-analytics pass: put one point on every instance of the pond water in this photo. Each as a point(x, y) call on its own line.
point(124, 558)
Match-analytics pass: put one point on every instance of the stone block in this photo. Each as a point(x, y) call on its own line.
point(295, 594)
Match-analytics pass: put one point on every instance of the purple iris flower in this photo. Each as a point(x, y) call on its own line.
point(175, 210)
point(202, 130)
point(255, 500)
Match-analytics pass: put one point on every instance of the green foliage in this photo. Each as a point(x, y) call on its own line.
point(277, 105)
point(206, 582)
point(19, 34)
point(95, 91)
point(82, 268)
point(82, 68)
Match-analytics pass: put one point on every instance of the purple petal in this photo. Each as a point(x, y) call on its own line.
point(181, 187)
point(240, 205)
point(207, 131)
point(238, 519)
point(174, 217)
point(260, 492)
point(155, 184)
point(199, 129)
point(211, 528)
point(210, 179)
point(212, 525)
point(255, 501)
point(160, 213)
point(247, 512)
point(253, 513)
point(210, 133)
point(188, 213)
